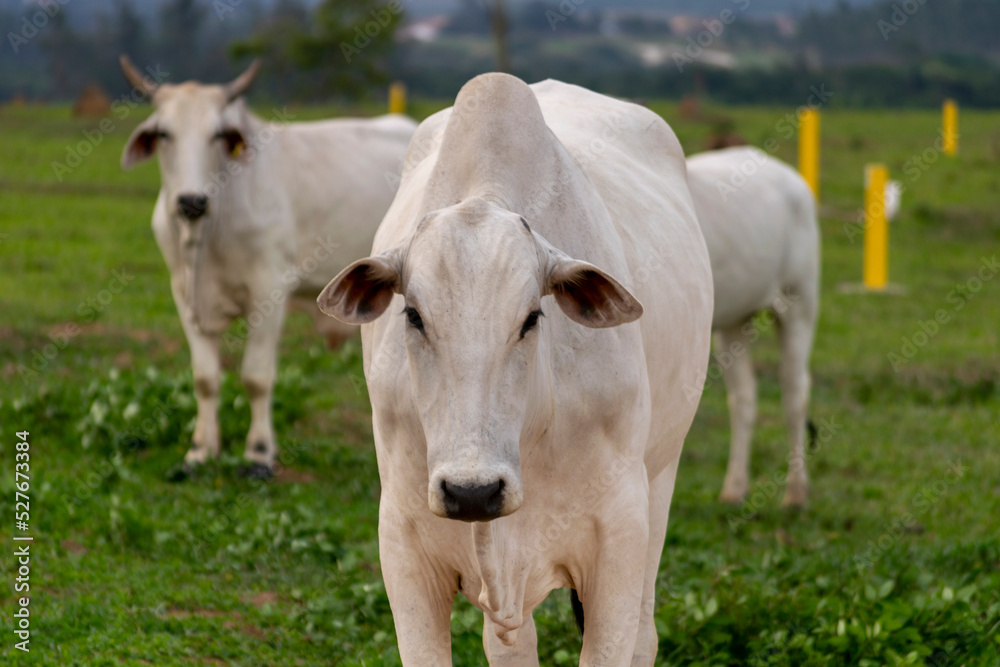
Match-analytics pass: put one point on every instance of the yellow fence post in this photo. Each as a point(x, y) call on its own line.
point(876, 228)
point(809, 148)
point(397, 97)
point(949, 127)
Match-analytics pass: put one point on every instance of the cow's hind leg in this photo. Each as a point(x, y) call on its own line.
point(796, 331)
point(522, 653)
point(733, 355)
point(661, 490)
point(260, 361)
point(206, 368)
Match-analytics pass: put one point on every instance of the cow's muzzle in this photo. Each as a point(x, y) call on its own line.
point(473, 503)
point(192, 207)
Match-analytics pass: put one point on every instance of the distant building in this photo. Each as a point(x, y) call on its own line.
point(425, 30)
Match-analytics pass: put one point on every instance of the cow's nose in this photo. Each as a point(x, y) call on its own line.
point(473, 503)
point(192, 207)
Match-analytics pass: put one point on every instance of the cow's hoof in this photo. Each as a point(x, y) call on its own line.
point(181, 473)
point(256, 471)
point(795, 501)
point(731, 498)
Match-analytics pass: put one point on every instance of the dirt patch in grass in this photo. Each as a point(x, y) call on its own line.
point(290, 476)
point(263, 598)
point(73, 546)
point(181, 614)
point(250, 630)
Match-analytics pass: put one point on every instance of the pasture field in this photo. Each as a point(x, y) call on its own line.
point(896, 561)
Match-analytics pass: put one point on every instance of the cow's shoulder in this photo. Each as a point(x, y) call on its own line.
point(583, 119)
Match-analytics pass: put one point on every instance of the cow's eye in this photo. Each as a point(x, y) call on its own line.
point(232, 140)
point(161, 134)
point(530, 322)
point(413, 317)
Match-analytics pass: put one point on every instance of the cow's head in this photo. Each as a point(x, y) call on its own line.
point(472, 278)
point(196, 129)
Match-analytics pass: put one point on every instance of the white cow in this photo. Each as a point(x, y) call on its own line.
point(527, 434)
point(251, 216)
point(763, 239)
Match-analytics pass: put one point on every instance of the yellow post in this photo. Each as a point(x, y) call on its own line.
point(949, 127)
point(809, 148)
point(397, 97)
point(876, 228)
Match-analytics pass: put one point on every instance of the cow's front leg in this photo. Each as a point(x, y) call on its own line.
point(523, 652)
point(661, 490)
point(420, 590)
point(260, 362)
point(205, 367)
point(612, 590)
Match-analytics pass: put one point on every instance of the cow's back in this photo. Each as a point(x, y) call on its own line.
point(637, 167)
point(341, 176)
point(760, 229)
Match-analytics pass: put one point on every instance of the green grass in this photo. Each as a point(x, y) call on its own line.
point(897, 560)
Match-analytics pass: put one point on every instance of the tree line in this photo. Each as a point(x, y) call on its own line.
point(886, 53)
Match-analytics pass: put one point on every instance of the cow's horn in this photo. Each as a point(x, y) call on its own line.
point(239, 85)
point(135, 77)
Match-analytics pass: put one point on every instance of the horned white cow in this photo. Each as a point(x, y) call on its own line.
point(250, 217)
point(763, 239)
point(527, 429)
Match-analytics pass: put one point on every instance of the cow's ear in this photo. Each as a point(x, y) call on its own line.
point(585, 293)
point(362, 291)
point(142, 144)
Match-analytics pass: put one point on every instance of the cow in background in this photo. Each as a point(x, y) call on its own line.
point(763, 240)
point(253, 217)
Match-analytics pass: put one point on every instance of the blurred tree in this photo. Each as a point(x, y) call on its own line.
point(181, 24)
point(66, 53)
point(128, 31)
point(498, 19)
point(471, 18)
point(344, 44)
